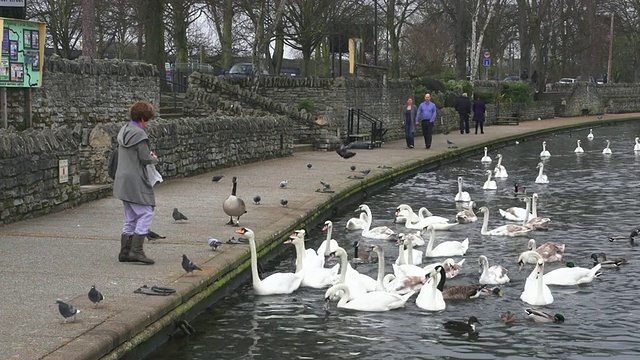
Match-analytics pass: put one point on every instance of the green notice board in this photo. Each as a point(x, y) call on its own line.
point(22, 53)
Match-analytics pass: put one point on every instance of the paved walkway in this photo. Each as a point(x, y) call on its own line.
point(61, 255)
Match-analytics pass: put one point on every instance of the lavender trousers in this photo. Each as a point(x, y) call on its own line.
point(137, 218)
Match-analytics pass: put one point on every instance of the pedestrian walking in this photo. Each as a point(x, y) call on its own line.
point(479, 110)
point(463, 107)
point(426, 116)
point(409, 122)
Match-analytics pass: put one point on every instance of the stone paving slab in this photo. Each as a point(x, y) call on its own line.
point(61, 255)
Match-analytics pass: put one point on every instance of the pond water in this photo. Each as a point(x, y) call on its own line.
point(589, 197)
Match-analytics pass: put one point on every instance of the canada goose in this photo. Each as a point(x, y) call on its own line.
point(233, 205)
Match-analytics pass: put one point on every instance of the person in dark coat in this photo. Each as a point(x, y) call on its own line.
point(409, 122)
point(463, 107)
point(479, 109)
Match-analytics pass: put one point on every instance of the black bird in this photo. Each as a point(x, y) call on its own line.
point(177, 215)
point(256, 199)
point(188, 265)
point(353, 168)
point(217, 178)
point(366, 172)
point(461, 326)
point(95, 296)
point(519, 189)
point(284, 202)
point(154, 236)
point(309, 166)
point(67, 310)
point(345, 151)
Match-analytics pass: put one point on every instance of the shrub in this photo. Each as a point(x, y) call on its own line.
point(488, 97)
point(307, 105)
point(517, 92)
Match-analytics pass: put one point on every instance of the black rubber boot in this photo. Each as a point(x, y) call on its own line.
point(136, 253)
point(125, 248)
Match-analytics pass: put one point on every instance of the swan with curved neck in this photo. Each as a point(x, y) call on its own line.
point(536, 222)
point(549, 251)
point(401, 285)
point(375, 301)
point(494, 275)
point(358, 283)
point(579, 149)
point(607, 150)
point(590, 136)
point(329, 244)
point(486, 159)
point(545, 153)
point(274, 284)
point(430, 297)
point(504, 230)
point(570, 276)
point(462, 196)
point(410, 255)
point(489, 184)
point(500, 172)
point(317, 277)
point(404, 211)
point(446, 248)
point(380, 232)
point(357, 223)
point(517, 213)
point(536, 292)
point(438, 222)
point(542, 178)
point(636, 147)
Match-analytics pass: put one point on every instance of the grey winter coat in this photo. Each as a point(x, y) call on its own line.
point(132, 181)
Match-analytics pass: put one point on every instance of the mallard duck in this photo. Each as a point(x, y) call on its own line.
point(543, 317)
point(461, 326)
point(507, 317)
point(604, 262)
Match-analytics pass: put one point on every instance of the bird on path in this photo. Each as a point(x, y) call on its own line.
point(355, 177)
point(385, 167)
point(345, 151)
point(326, 186)
point(188, 265)
point(366, 172)
point(67, 310)
point(309, 166)
point(214, 243)
point(284, 183)
point(217, 178)
point(256, 199)
point(151, 235)
point(95, 296)
point(177, 215)
point(452, 145)
point(234, 205)
point(284, 202)
point(353, 168)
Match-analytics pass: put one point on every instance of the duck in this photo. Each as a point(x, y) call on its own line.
point(518, 189)
point(489, 184)
point(494, 275)
point(504, 230)
point(457, 292)
point(536, 292)
point(357, 223)
point(410, 255)
point(430, 298)
point(467, 215)
point(399, 285)
point(313, 277)
point(636, 147)
point(446, 248)
point(590, 136)
point(579, 149)
point(542, 178)
point(500, 172)
point(274, 284)
point(375, 301)
point(536, 222)
point(572, 275)
point(507, 317)
point(549, 251)
point(358, 283)
point(379, 232)
point(233, 205)
point(517, 213)
point(543, 317)
point(461, 326)
point(462, 196)
point(545, 153)
point(601, 259)
point(486, 159)
point(607, 150)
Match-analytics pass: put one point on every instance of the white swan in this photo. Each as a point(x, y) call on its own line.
point(549, 251)
point(357, 223)
point(486, 159)
point(404, 211)
point(568, 276)
point(430, 297)
point(274, 284)
point(401, 285)
point(416, 238)
point(517, 213)
point(590, 136)
point(542, 178)
point(446, 248)
point(329, 244)
point(410, 255)
point(607, 150)
point(438, 222)
point(489, 184)
point(504, 230)
point(380, 232)
point(494, 275)
point(536, 292)
point(462, 195)
point(636, 147)
point(579, 148)
point(358, 283)
point(374, 301)
point(544, 153)
point(311, 258)
point(536, 222)
point(500, 172)
point(467, 215)
point(317, 277)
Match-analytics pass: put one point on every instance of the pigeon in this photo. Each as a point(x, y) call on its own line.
point(345, 151)
point(385, 167)
point(177, 215)
point(355, 177)
point(154, 236)
point(188, 265)
point(366, 172)
point(214, 243)
point(284, 202)
point(325, 185)
point(217, 178)
point(67, 310)
point(256, 199)
point(353, 168)
point(309, 166)
point(95, 296)
point(452, 145)
point(284, 183)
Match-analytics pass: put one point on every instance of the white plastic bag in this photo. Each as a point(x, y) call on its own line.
point(153, 174)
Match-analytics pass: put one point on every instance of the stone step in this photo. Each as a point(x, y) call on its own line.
point(302, 147)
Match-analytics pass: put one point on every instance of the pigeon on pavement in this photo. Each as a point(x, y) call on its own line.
point(177, 215)
point(284, 202)
point(67, 310)
point(353, 168)
point(366, 172)
point(217, 178)
point(154, 236)
point(188, 265)
point(284, 183)
point(214, 243)
point(345, 151)
point(451, 145)
point(309, 166)
point(95, 296)
point(385, 167)
point(256, 199)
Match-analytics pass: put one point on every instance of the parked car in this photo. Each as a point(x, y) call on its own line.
point(566, 81)
point(243, 70)
point(512, 78)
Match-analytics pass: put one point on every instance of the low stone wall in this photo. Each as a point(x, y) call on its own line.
point(30, 184)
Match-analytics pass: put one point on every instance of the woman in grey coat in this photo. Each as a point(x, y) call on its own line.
point(409, 122)
point(131, 183)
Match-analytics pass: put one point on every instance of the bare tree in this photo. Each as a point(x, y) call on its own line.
point(63, 23)
point(89, 48)
point(476, 39)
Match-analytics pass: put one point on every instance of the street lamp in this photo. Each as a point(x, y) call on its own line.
point(375, 33)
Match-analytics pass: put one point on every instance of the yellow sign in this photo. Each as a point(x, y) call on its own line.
point(22, 53)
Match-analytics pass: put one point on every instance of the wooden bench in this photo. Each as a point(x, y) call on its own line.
point(506, 120)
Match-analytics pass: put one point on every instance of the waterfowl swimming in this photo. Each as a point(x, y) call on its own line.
point(357, 223)
point(607, 150)
point(542, 177)
point(519, 189)
point(579, 148)
point(233, 205)
point(450, 266)
point(517, 213)
point(467, 215)
point(430, 298)
point(403, 212)
point(543, 317)
point(549, 251)
point(316, 277)
point(489, 184)
point(590, 136)
point(358, 283)
point(402, 284)
point(571, 275)
point(636, 147)
point(461, 326)
point(379, 232)
point(329, 245)
point(486, 159)
point(507, 317)
point(504, 230)
point(374, 301)
point(535, 222)
point(536, 292)
point(406, 253)
point(462, 196)
point(601, 259)
point(360, 256)
point(438, 222)
point(544, 153)
point(494, 275)
point(445, 248)
point(500, 172)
